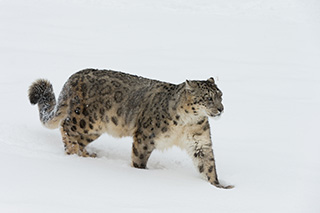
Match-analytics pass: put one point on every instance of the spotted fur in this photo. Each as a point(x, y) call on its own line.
point(156, 114)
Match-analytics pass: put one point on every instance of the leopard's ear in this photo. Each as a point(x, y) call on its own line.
point(211, 80)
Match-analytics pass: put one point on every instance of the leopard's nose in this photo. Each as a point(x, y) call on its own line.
point(220, 109)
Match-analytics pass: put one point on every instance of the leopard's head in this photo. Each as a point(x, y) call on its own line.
point(204, 97)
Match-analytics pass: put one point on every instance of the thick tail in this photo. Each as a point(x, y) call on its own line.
point(51, 113)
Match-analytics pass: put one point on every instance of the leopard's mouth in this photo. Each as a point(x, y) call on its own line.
point(215, 114)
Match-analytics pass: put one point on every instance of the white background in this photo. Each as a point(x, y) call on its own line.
point(264, 54)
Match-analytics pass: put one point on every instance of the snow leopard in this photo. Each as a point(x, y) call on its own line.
point(156, 114)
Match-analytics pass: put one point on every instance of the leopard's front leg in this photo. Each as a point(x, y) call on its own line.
point(200, 149)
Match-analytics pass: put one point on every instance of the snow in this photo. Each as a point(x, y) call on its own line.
point(265, 55)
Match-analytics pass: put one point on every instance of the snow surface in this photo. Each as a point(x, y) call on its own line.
point(266, 55)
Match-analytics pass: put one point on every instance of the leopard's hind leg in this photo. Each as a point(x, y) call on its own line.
point(76, 143)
